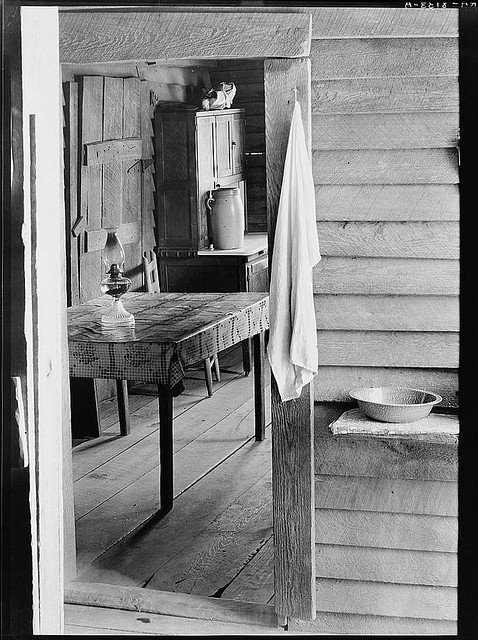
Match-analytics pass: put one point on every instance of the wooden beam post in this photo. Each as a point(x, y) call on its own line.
point(292, 421)
point(47, 406)
point(121, 36)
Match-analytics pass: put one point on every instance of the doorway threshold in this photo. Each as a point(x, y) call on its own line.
point(113, 609)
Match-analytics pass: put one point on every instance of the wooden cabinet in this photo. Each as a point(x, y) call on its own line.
point(196, 151)
point(220, 270)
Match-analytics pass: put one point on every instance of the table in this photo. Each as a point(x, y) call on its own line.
point(220, 270)
point(172, 331)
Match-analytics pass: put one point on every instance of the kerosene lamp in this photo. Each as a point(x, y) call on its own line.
point(115, 285)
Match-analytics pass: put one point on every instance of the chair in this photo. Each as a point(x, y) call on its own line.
point(151, 276)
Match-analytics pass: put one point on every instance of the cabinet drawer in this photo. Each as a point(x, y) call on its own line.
point(201, 274)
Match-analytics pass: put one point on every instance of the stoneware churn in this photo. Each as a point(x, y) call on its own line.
point(226, 217)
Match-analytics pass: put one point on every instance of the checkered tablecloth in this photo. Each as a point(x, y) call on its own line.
point(171, 332)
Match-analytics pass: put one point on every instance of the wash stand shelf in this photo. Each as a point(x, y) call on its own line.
point(386, 524)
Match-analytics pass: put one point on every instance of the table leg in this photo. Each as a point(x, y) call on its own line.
point(259, 387)
point(246, 355)
point(165, 448)
point(208, 376)
point(123, 406)
point(85, 418)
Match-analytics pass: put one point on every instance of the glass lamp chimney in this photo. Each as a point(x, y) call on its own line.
point(113, 253)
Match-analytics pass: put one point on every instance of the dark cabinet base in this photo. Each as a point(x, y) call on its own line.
point(215, 272)
point(195, 275)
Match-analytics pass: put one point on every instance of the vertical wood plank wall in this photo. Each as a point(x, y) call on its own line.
point(166, 83)
point(158, 83)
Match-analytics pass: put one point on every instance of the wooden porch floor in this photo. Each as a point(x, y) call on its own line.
point(217, 540)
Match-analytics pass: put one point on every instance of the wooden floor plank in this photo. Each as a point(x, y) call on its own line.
point(213, 446)
point(91, 455)
point(132, 561)
point(222, 514)
point(129, 465)
point(108, 480)
point(220, 552)
point(256, 581)
point(130, 507)
point(108, 412)
point(214, 561)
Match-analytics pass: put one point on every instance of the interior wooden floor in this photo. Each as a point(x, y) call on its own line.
point(217, 540)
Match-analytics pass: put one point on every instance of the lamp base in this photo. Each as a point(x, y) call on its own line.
point(117, 316)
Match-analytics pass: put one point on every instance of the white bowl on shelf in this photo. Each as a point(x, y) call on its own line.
point(395, 404)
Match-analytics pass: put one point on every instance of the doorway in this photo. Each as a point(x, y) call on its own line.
point(292, 601)
point(222, 477)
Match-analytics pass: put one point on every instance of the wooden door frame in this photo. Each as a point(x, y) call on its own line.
point(293, 498)
point(292, 423)
point(39, 350)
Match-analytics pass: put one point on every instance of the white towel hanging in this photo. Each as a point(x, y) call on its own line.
point(292, 348)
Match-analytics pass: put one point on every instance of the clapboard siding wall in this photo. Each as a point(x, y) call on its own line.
point(385, 136)
point(386, 532)
point(385, 165)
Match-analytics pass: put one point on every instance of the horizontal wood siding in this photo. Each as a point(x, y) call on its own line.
point(387, 313)
point(411, 601)
point(386, 529)
point(357, 624)
point(334, 383)
point(385, 95)
point(390, 239)
point(385, 132)
point(391, 495)
point(351, 22)
point(367, 57)
point(394, 276)
point(387, 166)
point(397, 566)
point(403, 202)
point(388, 348)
